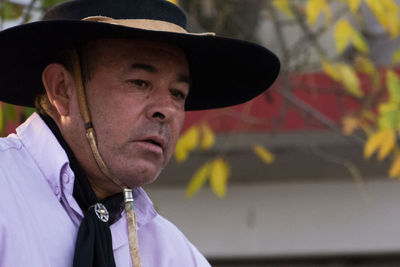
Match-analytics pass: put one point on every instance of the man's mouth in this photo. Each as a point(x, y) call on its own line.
point(155, 140)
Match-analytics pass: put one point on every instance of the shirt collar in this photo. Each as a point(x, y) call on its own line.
point(45, 150)
point(51, 158)
point(144, 208)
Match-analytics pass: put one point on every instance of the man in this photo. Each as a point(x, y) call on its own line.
point(111, 81)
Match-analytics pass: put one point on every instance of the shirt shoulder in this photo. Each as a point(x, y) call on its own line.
point(195, 254)
point(167, 241)
point(10, 142)
point(12, 156)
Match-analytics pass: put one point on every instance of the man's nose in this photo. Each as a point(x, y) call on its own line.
point(162, 108)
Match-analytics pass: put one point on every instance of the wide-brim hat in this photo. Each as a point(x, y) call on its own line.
point(223, 71)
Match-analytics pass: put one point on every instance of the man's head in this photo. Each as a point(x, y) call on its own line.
point(136, 94)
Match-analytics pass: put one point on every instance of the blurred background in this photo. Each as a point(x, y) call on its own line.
point(307, 173)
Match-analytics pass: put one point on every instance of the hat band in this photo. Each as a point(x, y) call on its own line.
point(145, 24)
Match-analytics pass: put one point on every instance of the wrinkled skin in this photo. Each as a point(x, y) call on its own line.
point(136, 94)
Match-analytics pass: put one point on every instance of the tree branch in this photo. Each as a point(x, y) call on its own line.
point(308, 33)
point(28, 11)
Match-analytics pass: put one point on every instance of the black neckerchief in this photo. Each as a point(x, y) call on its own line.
point(94, 244)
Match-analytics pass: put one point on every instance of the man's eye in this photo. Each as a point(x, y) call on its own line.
point(178, 94)
point(139, 83)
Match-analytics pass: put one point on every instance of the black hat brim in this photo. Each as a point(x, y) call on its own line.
point(224, 71)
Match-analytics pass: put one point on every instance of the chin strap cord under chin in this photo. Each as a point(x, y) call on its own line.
point(91, 137)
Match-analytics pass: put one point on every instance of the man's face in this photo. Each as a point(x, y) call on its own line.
point(136, 95)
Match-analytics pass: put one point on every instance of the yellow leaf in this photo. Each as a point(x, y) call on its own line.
point(342, 35)
point(350, 80)
point(314, 8)
point(386, 12)
point(346, 34)
point(396, 57)
point(368, 115)
point(284, 7)
point(181, 154)
point(386, 107)
point(364, 65)
point(345, 74)
point(264, 154)
point(373, 143)
point(350, 124)
point(353, 5)
point(191, 138)
point(219, 176)
point(188, 142)
point(392, 16)
point(198, 180)
point(207, 137)
point(175, 2)
point(388, 144)
point(359, 42)
point(330, 70)
point(395, 167)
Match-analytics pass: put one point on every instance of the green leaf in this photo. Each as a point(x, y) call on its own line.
point(393, 85)
point(28, 111)
point(10, 113)
point(388, 116)
point(1, 119)
point(10, 11)
point(396, 57)
point(46, 4)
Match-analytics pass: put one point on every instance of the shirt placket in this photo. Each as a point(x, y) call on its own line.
point(67, 179)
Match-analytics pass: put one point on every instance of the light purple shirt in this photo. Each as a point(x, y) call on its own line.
point(39, 218)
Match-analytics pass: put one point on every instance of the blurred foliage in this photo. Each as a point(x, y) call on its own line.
point(379, 113)
point(46, 4)
point(10, 10)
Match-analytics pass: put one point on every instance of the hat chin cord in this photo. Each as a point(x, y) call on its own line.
point(91, 137)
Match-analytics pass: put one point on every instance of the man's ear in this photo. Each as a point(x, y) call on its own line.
point(58, 82)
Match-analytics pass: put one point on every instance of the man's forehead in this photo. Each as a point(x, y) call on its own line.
point(127, 55)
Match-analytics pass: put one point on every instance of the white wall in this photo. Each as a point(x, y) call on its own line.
point(288, 219)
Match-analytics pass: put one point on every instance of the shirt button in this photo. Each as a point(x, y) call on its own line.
point(56, 190)
point(65, 178)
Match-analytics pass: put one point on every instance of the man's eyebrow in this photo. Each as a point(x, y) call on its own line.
point(184, 78)
point(143, 66)
point(150, 68)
